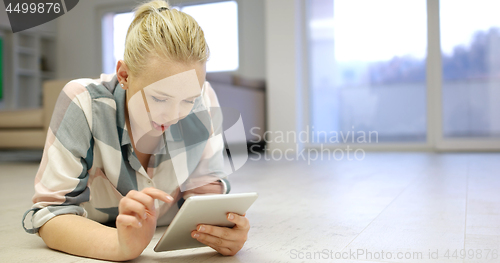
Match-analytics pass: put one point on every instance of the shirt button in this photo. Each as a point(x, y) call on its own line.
point(149, 181)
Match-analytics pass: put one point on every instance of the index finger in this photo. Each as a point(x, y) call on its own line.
point(240, 220)
point(158, 194)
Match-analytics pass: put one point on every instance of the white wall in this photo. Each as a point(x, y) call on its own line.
point(79, 39)
point(4, 19)
point(285, 62)
point(252, 39)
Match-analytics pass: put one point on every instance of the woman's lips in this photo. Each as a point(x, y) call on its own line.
point(159, 127)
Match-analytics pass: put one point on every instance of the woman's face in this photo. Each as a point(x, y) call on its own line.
point(165, 90)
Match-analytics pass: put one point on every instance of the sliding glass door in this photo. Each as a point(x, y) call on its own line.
point(470, 45)
point(368, 61)
point(367, 69)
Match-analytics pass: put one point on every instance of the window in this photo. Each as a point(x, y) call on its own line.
point(367, 69)
point(367, 72)
point(471, 68)
point(219, 22)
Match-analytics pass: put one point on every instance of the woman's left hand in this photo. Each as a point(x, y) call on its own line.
point(227, 241)
point(210, 187)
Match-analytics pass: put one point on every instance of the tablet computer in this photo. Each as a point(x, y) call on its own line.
point(210, 209)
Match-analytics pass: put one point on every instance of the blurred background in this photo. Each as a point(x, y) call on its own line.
point(417, 75)
point(414, 83)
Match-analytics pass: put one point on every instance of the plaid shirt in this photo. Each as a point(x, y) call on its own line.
point(89, 164)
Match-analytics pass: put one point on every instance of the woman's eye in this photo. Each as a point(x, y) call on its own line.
point(158, 100)
point(190, 101)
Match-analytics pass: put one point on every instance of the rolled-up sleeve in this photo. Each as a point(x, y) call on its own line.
point(61, 180)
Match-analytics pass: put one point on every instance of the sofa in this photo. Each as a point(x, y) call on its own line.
point(27, 128)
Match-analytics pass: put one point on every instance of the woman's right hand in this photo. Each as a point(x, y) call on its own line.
point(136, 222)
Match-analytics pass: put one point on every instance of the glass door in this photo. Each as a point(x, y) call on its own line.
point(470, 95)
point(367, 71)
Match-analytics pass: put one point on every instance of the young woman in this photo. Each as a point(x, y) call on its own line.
point(92, 172)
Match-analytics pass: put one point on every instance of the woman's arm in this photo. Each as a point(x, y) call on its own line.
point(135, 227)
point(61, 179)
point(81, 236)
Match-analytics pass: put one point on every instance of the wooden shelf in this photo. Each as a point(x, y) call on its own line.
point(30, 59)
point(26, 72)
point(26, 51)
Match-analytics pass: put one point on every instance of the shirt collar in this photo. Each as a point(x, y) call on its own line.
point(120, 97)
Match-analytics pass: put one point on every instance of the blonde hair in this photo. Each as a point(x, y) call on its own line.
point(168, 34)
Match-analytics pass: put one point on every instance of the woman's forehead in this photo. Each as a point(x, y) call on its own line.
point(161, 69)
point(181, 85)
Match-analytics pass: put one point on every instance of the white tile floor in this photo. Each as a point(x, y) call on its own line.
point(416, 205)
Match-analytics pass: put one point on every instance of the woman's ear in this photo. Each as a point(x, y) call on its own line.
point(122, 74)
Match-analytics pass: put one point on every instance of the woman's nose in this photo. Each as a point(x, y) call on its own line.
point(171, 116)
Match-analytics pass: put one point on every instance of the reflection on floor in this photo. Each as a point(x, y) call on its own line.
point(388, 207)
